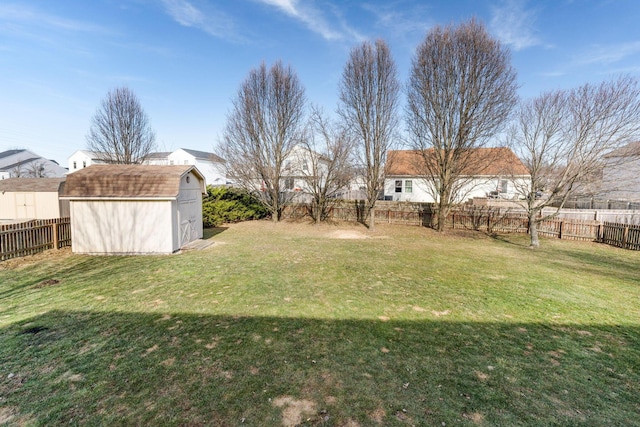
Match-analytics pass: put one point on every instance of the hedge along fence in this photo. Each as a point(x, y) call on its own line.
point(31, 237)
point(483, 219)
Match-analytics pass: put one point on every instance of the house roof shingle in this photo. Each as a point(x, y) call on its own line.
point(36, 185)
point(629, 150)
point(10, 153)
point(485, 162)
point(204, 155)
point(126, 181)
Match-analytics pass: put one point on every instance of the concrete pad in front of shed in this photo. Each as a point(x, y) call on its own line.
point(196, 245)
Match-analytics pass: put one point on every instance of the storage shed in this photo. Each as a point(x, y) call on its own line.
point(32, 198)
point(134, 209)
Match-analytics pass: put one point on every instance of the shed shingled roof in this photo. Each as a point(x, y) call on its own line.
point(35, 185)
point(487, 162)
point(127, 181)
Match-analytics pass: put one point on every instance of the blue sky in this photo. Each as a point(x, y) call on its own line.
point(185, 59)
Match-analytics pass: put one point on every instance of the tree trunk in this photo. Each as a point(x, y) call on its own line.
point(533, 232)
point(442, 218)
point(372, 218)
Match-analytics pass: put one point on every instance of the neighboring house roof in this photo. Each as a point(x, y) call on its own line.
point(157, 155)
point(127, 181)
point(629, 150)
point(204, 155)
point(20, 163)
point(10, 153)
point(36, 185)
point(485, 162)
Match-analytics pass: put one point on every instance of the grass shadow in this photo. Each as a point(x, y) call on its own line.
point(209, 233)
point(97, 368)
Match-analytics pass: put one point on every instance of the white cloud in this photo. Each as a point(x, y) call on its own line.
point(607, 55)
point(211, 22)
point(400, 20)
point(514, 25)
point(315, 20)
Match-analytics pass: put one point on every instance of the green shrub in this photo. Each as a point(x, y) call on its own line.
point(224, 204)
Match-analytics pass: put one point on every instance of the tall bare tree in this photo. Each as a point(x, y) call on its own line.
point(369, 93)
point(563, 137)
point(265, 123)
point(461, 91)
point(326, 160)
point(120, 130)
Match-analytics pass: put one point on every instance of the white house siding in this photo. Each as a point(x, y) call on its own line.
point(122, 227)
point(82, 159)
point(213, 172)
point(621, 180)
point(478, 187)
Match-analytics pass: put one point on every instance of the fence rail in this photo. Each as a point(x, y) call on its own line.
point(31, 237)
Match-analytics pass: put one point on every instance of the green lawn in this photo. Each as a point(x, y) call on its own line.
point(291, 324)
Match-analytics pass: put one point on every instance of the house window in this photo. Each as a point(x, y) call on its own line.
point(399, 186)
point(84, 163)
point(170, 162)
point(408, 186)
point(504, 186)
point(75, 165)
point(305, 166)
point(288, 183)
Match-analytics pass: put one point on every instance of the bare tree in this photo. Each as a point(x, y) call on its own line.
point(120, 131)
point(564, 136)
point(461, 91)
point(37, 169)
point(369, 93)
point(266, 122)
point(325, 159)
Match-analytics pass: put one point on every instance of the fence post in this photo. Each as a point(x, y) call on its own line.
point(560, 229)
point(625, 236)
point(55, 235)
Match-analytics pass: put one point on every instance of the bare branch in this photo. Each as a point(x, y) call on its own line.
point(563, 137)
point(266, 122)
point(460, 93)
point(120, 131)
point(369, 94)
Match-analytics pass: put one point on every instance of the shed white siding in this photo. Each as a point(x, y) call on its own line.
point(122, 227)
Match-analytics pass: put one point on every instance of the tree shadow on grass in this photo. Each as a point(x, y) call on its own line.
point(98, 368)
point(209, 233)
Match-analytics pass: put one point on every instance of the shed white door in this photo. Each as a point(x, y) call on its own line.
point(25, 206)
point(187, 216)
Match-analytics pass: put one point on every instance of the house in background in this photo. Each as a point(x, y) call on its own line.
point(211, 166)
point(32, 198)
point(621, 174)
point(134, 209)
point(497, 173)
point(84, 158)
point(26, 164)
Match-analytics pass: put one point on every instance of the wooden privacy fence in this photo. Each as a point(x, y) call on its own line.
point(621, 235)
point(492, 221)
point(28, 238)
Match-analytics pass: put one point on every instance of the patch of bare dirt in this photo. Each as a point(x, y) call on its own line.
point(294, 411)
point(26, 261)
point(7, 414)
point(377, 416)
point(48, 282)
point(347, 234)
